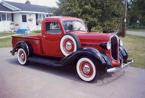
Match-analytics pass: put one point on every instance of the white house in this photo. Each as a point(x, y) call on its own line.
point(14, 16)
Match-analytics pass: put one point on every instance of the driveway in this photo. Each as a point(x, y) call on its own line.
point(41, 81)
point(138, 33)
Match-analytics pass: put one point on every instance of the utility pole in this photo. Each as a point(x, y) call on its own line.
point(125, 14)
point(122, 31)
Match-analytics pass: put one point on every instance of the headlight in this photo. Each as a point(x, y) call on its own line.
point(108, 46)
point(121, 43)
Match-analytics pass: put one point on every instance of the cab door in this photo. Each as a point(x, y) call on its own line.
point(51, 39)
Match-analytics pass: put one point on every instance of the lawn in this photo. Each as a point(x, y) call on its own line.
point(134, 44)
point(136, 49)
point(138, 30)
point(5, 42)
point(5, 34)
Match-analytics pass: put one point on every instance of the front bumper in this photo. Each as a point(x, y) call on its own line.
point(114, 69)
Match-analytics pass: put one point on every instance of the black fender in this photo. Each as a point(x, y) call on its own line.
point(92, 53)
point(108, 63)
point(123, 54)
point(25, 45)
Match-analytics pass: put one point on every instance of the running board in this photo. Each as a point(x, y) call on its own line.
point(45, 61)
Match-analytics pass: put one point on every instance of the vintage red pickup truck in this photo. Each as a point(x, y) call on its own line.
point(65, 41)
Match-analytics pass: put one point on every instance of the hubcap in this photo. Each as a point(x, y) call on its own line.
point(22, 56)
point(86, 69)
point(68, 45)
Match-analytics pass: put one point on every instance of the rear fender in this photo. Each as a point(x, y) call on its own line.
point(24, 45)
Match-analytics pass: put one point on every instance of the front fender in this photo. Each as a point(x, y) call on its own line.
point(85, 52)
point(123, 54)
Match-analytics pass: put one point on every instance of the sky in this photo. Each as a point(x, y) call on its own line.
point(49, 3)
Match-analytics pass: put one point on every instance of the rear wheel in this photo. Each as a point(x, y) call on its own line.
point(22, 56)
point(86, 69)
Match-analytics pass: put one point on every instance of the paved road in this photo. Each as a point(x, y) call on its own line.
point(138, 33)
point(39, 81)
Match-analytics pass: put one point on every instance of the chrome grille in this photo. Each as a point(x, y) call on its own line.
point(114, 47)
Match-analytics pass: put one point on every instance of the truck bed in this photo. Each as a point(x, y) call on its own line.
point(34, 41)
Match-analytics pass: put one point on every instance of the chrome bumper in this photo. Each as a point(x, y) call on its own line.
point(114, 69)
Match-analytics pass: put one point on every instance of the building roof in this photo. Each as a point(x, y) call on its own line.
point(3, 8)
point(30, 7)
point(23, 7)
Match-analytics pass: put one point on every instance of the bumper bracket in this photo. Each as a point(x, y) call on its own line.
point(115, 69)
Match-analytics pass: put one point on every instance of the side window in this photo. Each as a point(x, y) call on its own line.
point(24, 18)
point(53, 27)
point(3, 17)
point(9, 17)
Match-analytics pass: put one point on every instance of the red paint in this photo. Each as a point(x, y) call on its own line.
point(48, 44)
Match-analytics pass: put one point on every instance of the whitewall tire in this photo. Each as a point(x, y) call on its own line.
point(22, 56)
point(68, 45)
point(86, 69)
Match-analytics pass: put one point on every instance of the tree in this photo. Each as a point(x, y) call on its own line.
point(137, 12)
point(103, 15)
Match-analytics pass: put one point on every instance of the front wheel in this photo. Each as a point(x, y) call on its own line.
point(22, 56)
point(86, 69)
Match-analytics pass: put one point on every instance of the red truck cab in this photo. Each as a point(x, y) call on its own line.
point(66, 41)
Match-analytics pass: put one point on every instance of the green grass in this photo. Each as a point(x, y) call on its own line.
point(139, 30)
point(5, 42)
point(136, 49)
point(5, 34)
point(35, 32)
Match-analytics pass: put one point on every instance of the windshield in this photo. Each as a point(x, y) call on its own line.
point(74, 25)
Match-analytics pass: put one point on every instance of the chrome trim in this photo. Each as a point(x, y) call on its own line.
point(115, 69)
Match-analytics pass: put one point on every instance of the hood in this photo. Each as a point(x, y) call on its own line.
point(93, 37)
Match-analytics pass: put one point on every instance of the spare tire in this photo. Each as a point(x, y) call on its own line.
point(69, 43)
